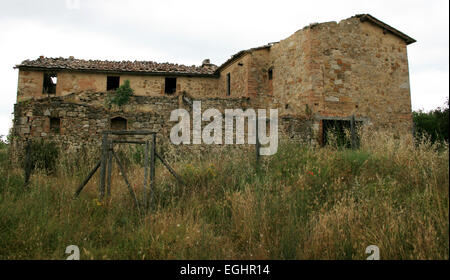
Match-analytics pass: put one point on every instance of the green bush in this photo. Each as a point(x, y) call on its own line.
point(121, 96)
point(433, 124)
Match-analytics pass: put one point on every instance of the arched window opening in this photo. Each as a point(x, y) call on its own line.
point(118, 123)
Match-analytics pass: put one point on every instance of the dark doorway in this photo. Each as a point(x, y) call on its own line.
point(170, 85)
point(341, 130)
point(118, 123)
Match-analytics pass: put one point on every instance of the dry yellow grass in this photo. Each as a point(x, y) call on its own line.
point(304, 203)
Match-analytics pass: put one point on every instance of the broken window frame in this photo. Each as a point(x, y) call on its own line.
point(170, 85)
point(112, 83)
point(49, 84)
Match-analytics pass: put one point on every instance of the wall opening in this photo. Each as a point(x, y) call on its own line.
point(228, 84)
point(55, 125)
point(112, 83)
point(339, 131)
point(170, 85)
point(270, 83)
point(50, 81)
point(118, 123)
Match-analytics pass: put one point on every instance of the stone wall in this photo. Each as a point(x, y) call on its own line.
point(363, 71)
point(335, 70)
point(258, 80)
point(84, 116)
point(238, 71)
point(291, 73)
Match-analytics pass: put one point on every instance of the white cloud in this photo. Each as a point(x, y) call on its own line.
point(429, 89)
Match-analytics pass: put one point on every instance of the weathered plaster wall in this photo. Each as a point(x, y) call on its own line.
point(30, 84)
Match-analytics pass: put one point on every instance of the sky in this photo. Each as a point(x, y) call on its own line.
point(187, 32)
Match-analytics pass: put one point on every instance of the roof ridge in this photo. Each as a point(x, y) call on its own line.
point(143, 66)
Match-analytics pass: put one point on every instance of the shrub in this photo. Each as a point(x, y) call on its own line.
point(43, 156)
point(433, 124)
point(121, 96)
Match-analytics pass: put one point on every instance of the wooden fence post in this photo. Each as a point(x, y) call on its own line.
point(104, 159)
point(258, 144)
point(146, 175)
point(28, 163)
point(353, 132)
point(152, 169)
point(110, 164)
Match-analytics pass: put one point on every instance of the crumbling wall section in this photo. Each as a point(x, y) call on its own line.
point(82, 121)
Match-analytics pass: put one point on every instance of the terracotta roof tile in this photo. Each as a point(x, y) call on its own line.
point(117, 66)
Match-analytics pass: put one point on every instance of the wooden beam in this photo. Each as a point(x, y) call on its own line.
point(258, 144)
point(152, 169)
point(104, 161)
point(110, 163)
point(129, 142)
point(28, 163)
point(146, 175)
point(169, 168)
point(80, 188)
point(128, 132)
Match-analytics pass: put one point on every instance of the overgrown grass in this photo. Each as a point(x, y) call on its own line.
point(303, 203)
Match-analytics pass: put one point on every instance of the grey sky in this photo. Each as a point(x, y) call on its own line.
point(187, 32)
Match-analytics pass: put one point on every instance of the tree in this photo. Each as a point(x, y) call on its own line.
point(434, 124)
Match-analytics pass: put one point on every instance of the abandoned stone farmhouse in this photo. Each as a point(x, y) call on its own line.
point(321, 73)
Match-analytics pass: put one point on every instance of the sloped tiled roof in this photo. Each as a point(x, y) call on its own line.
point(240, 54)
point(367, 17)
point(116, 66)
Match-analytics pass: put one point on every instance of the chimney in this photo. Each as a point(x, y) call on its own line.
point(41, 57)
point(71, 57)
point(206, 62)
